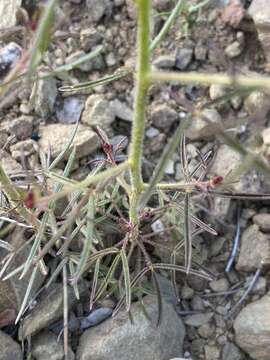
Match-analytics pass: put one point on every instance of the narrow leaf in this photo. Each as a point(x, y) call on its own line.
point(195, 220)
point(66, 148)
point(126, 278)
point(43, 34)
point(27, 293)
point(88, 240)
point(187, 234)
point(183, 157)
point(108, 277)
point(94, 284)
point(161, 166)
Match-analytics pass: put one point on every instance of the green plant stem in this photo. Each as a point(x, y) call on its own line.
point(176, 186)
point(208, 79)
point(89, 181)
point(137, 136)
point(174, 14)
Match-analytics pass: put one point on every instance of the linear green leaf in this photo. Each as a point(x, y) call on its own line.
point(90, 225)
point(94, 284)
point(66, 148)
point(108, 277)
point(187, 234)
point(43, 35)
point(27, 293)
point(56, 272)
point(126, 278)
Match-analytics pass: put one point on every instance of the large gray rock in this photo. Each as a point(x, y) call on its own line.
point(48, 310)
point(12, 290)
point(231, 352)
point(9, 349)
point(56, 136)
point(259, 10)
point(8, 9)
point(46, 346)
point(252, 329)
point(119, 339)
point(255, 248)
point(263, 221)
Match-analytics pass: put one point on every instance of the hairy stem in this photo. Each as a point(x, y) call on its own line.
point(257, 81)
point(137, 136)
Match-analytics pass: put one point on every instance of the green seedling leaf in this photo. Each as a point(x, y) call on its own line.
point(27, 293)
point(187, 234)
point(126, 279)
point(90, 225)
point(43, 35)
point(56, 272)
point(66, 148)
point(120, 73)
point(108, 277)
point(94, 284)
point(72, 273)
point(34, 248)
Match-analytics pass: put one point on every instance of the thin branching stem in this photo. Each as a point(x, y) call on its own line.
point(137, 136)
point(91, 180)
point(240, 81)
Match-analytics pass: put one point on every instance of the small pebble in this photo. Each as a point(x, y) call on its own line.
point(233, 50)
point(183, 58)
point(9, 54)
point(95, 317)
point(70, 111)
point(219, 285)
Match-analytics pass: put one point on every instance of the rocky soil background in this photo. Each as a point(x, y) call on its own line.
point(228, 318)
